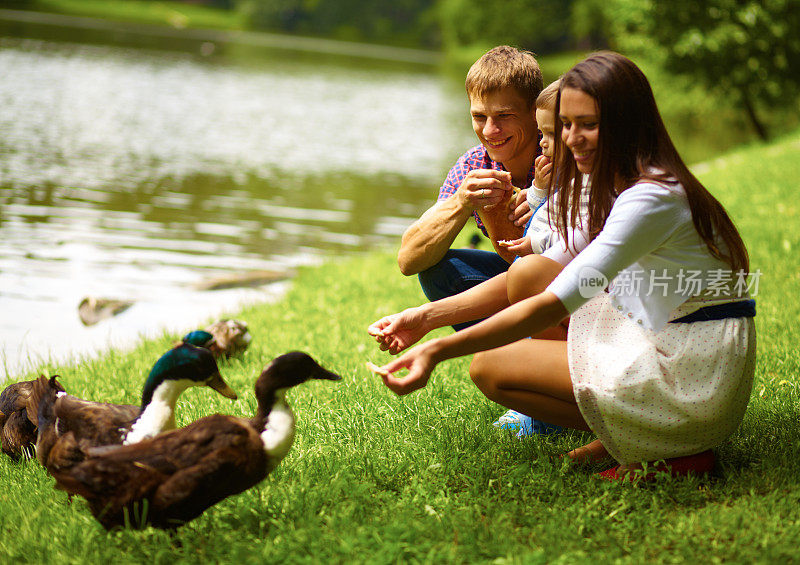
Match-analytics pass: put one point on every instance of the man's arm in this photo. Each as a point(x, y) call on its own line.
point(427, 240)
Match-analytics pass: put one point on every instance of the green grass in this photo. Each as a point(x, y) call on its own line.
point(425, 478)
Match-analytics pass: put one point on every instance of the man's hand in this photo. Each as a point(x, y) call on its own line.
point(483, 188)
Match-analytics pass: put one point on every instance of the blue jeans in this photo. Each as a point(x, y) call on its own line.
point(460, 270)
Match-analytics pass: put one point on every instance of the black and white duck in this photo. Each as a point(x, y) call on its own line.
point(173, 478)
point(17, 427)
point(223, 338)
point(64, 420)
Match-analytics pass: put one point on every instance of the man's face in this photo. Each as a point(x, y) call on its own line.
point(506, 127)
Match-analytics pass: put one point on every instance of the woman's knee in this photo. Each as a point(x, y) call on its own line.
point(481, 374)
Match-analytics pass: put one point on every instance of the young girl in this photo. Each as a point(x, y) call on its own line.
point(657, 368)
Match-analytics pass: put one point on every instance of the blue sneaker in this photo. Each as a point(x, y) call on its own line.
point(524, 425)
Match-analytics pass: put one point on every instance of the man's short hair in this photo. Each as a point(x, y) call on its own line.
point(503, 67)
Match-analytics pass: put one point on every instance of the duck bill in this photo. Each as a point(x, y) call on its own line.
point(221, 387)
point(325, 374)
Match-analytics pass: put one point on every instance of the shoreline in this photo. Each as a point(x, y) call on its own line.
point(176, 313)
point(251, 38)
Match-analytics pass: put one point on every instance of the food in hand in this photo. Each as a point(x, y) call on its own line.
point(375, 369)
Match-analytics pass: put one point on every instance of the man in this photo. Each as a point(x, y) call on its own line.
point(502, 87)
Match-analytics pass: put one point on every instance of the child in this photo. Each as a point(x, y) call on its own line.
point(658, 372)
point(538, 233)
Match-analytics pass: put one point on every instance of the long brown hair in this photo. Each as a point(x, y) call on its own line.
point(633, 141)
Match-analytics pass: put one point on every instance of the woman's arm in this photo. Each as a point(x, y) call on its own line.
point(399, 331)
point(520, 320)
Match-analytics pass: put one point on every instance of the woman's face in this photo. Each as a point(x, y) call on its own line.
point(581, 127)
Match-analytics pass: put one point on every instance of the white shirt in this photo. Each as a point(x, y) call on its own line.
point(649, 236)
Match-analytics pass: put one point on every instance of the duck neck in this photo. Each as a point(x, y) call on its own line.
point(157, 414)
point(277, 433)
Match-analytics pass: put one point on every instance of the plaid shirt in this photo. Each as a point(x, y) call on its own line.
point(475, 158)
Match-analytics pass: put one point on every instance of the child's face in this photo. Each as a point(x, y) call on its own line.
point(546, 119)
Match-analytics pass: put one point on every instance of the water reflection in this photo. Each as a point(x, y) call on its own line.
point(134, 174)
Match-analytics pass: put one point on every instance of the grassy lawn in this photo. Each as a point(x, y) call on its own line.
point(425, 478)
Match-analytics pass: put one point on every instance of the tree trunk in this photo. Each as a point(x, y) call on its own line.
point(761, 130)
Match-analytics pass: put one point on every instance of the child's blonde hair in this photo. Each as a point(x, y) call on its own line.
point(503, 67)
point(547, 98)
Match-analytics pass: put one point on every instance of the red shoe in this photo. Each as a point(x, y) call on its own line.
point(699, 464)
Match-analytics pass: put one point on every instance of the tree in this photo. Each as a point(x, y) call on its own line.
point(748, 49)
point(542, 26)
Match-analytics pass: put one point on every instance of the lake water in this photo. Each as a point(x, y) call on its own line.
point(137, 171)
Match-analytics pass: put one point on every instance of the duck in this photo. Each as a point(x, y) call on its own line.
point(63, 419)
point(92, 310)
point(224, 338)
point(17, 430)
point(171, 479)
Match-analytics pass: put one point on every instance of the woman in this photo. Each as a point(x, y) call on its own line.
point(637, 369)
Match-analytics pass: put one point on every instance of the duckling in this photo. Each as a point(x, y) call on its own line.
point(17, 430)
point(225, 337)
point(64, 419)
point(173, 478)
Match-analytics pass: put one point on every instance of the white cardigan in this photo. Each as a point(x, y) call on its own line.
point(648, 236)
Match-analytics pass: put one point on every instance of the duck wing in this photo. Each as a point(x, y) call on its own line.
point(18, 425)
point(18, 435)
point(88, 423)
point(192, 490)
point(98, 423)
point(15, 396)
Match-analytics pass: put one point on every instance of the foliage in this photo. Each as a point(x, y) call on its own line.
point(745, 49)
point(378, 21)
point(538, 25)
point(164, 12)
point(426, 478)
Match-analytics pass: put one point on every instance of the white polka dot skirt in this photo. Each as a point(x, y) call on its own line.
point(651, 396)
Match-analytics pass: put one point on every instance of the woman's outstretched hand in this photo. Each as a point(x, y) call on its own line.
point(419, 362)
point(399, 331)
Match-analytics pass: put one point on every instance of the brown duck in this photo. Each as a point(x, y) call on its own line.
point(171, 479)
point(17, 427)
point(65, 420)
